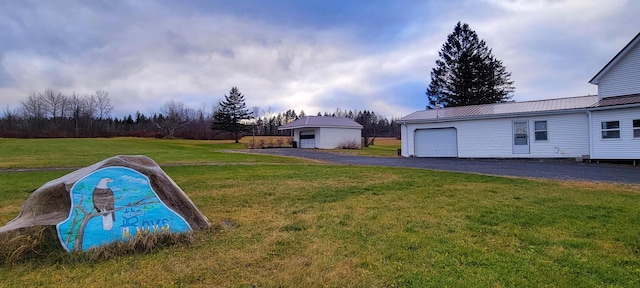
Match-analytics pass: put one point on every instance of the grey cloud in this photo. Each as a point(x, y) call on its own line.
point(288, 54)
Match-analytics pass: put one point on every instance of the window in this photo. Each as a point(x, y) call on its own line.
point(636, 128)
point(611, 130)
point(540, 130)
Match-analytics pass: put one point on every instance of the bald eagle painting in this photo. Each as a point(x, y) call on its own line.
point(103, 202)
point(99, 196)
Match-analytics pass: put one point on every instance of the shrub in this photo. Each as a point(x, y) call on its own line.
point(250, 145)
point(349, 144)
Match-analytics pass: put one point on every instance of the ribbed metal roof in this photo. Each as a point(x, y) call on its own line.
point(493, 110)
point(321, 121)
point(618, 100)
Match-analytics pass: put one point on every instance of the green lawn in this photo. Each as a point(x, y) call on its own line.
point(30, 153)
point(294, 223)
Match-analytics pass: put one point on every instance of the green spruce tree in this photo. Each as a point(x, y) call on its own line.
point(467, 73)
point(230, 114)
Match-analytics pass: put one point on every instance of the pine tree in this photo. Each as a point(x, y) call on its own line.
point(467, 73)
point(230, 114)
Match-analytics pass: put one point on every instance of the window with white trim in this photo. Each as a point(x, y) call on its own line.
point(636, 128)
point(611, 130)
point(540, 130)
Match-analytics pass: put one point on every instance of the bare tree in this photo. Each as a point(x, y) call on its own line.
point(174, 115)
point(54, 101)
point(34, 106)
point(102, 104)
point(369, 121)
point(81, 111)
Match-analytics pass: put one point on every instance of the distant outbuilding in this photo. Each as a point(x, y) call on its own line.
point(325, 132)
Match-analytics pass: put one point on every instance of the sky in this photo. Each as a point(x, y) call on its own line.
point(306, 55)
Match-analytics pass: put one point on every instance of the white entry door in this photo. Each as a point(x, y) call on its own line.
point(520, 137)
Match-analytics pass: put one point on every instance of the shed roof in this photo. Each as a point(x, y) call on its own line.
point(617, 101)
point(502, 109)
point(635, 41)
point(321, 121)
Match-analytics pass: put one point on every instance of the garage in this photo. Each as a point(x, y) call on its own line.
point(319, 132)
point(308, 139)
point(440, 142)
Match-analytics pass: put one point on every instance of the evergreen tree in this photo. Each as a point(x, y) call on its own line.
point(230, 114)
point(467, 73)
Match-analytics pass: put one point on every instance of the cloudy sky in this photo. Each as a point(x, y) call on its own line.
point(311, 55)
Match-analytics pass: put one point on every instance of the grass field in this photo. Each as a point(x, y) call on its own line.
point(295, 223)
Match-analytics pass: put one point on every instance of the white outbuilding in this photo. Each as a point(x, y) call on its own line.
point(325, 132)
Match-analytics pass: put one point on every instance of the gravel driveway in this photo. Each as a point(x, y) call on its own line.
point(548, 169)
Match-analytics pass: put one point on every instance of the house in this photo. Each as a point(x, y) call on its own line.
point(606, 126)
point(615, 119)
point(325, 132)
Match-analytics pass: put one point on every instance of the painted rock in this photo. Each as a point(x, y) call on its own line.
point(112, 200)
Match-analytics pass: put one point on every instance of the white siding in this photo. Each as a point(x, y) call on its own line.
point(626, 147)
point(623, 78)
point(568, 137)
point(330, 138)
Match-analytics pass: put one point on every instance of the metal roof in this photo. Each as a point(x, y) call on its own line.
point(502, 109)
point(321, 121)
point(617, 101)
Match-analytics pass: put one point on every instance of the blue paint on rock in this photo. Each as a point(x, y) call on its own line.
point(127, 194)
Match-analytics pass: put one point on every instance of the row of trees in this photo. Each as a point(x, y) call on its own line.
point(53, 114)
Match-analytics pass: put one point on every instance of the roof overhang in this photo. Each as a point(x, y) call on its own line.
point(316, 126)
point(494, 116)
point(613, 107)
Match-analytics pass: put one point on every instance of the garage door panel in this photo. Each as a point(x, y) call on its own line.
point(308, 143)
point(308, 139)
point(440, 142)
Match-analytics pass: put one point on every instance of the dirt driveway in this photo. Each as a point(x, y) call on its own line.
point(548, 169)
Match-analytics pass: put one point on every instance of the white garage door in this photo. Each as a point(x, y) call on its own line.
point(441, 142)
point(307, 139)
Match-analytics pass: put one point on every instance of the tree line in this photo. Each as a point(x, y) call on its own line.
point(53, 114)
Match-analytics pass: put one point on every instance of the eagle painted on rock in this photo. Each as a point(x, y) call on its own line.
point(103, 201)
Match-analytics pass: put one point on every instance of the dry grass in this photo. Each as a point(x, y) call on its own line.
point(41, 243)
point(387, 141)
point(312, 225)
point(267, 142)
point(265, 139)
point(27, 244)
point(598, 186)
